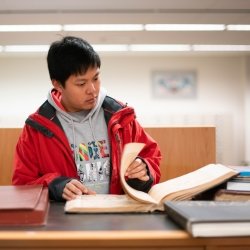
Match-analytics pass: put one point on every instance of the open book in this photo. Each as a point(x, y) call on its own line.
point(180, 188)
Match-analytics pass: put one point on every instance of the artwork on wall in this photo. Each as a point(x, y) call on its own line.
point(174, 84)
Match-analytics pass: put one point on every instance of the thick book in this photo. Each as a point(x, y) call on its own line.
point(231, 195)
point(180, 188)
point(23, 205)
point(239, 183)
point(211, 218)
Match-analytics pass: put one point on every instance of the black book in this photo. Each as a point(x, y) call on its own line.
point(211, 218)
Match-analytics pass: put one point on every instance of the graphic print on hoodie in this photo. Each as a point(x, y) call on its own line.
point(88, 138)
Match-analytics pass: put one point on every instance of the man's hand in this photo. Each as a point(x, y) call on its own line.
point(74, 188)
point(137, 169)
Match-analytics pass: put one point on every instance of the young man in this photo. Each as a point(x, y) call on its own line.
point(74, 141)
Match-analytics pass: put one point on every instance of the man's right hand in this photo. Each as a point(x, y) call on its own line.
point(74, 188)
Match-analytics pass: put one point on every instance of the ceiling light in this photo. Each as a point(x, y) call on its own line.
point(29, 28)
point(221, 48)
point(184, 27)
point(239, 27)
point(136, 48)
point(103, 27)
point(159, 47)
point(26, 48)
point(110, 47)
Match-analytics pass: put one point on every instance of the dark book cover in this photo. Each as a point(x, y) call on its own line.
point(23, 205)
point(211, 218)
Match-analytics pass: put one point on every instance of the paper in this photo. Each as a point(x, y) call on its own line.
point(130, 152)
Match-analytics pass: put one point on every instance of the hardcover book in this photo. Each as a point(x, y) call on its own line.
point(211, 218)
point(232, 195)
point(23, 205)
point(180, 188)
point(239, 183)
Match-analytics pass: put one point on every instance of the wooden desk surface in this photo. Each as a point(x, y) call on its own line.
point(110, 231)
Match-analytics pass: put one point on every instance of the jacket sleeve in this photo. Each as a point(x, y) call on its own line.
point(56, 188)
point(26, 163)
point(141, 185)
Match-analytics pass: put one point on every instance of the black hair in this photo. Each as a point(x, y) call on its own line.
point(70, 56)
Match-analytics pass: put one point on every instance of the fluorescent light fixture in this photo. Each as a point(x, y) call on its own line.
point(185, 27)
point(222, 48)
point(110, 47)
point(159, 47)
point(103, 27)
point(30, 28)
point(26, 48)
point(238, 27)
point(136, 48)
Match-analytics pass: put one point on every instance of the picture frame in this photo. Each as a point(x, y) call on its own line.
point(174, 84)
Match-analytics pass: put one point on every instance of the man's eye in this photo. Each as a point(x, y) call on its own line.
point(81, 83)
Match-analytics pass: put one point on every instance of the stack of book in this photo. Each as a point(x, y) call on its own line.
point(237, 188)
point(228, 215)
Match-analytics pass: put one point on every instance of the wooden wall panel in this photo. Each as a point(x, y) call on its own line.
point(184, 149)
point(8, 140)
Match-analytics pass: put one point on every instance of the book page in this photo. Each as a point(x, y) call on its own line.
point(192, 183)
point(105, 203)
point(130, 152)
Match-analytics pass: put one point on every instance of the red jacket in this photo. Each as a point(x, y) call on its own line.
point(43, 152)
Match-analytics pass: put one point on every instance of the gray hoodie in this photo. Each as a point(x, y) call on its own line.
point(88, 138)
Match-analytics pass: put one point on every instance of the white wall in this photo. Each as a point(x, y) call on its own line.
point(247, 112)
point(221, 80)
point(24, 84)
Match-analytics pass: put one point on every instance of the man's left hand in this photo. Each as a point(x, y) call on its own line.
point(137, 169)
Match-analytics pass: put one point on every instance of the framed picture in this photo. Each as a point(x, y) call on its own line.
point(174, 84)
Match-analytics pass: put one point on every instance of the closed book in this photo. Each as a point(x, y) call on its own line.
point(238, 183)
point(211, 218)
point(232, 195)
point(23, 205)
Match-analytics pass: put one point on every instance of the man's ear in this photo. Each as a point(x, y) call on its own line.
point(57, 85)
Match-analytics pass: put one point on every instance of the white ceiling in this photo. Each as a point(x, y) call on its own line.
point(123, 12)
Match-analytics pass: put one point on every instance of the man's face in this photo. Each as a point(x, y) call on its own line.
point(81, 91)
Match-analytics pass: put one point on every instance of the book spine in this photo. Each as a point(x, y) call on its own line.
point(178, 218)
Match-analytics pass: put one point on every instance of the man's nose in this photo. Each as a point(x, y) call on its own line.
point(91, 88)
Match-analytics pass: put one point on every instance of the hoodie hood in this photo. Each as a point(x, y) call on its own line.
point(87, 134)
point(54, 98)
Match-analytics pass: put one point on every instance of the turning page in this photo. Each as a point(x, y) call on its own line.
point(130, 152)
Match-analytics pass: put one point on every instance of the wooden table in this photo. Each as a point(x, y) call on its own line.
point(110, 231)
